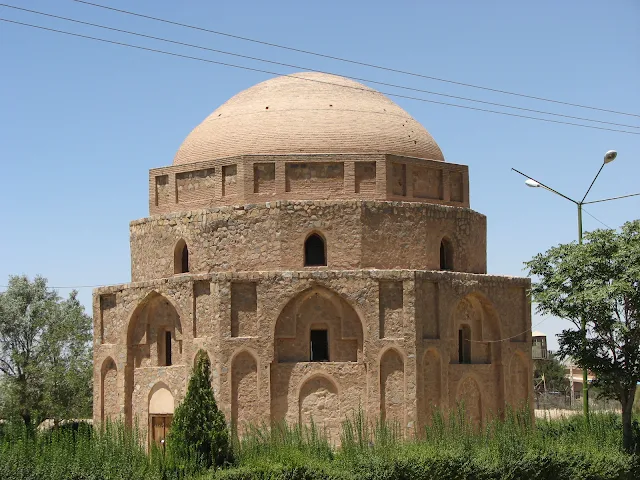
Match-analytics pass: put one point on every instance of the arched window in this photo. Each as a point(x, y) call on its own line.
point(181, 258)
point(464, 344)
point(314, 251)
point(446, 255)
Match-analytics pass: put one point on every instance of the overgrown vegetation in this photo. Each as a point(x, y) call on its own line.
point(450, 448)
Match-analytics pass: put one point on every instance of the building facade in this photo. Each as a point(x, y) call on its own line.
point(310, 237)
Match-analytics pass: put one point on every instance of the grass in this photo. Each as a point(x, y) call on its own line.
point(450, 447)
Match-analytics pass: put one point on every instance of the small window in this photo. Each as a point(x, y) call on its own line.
point(464, 344)
point(319, 346)
point(167, 348)
point(446, 255)
point(181, 258)
point(314, 251)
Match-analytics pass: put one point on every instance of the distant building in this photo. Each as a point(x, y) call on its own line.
point(539, 346)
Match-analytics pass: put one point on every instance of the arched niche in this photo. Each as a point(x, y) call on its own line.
point(470, 397)
point(432, 382)
point(392, 388)
point(519, 381)
point(310, 313)
point(475, 327)
point(154, 336)
point(161, 400)
point(109, 397)
point(319, 402)
point(245, 395)
point(161, 407)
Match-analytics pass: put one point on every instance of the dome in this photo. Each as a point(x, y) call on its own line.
point(307, 113)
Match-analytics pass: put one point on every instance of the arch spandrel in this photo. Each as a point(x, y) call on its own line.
point(318, 307)
point(478, 313)
point(153, 318)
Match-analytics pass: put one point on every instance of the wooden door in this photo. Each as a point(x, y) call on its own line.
point(160, 426)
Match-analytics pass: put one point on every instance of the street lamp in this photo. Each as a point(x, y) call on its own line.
point(609, 157)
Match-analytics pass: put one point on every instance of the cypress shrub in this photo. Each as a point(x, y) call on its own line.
point(199, 437)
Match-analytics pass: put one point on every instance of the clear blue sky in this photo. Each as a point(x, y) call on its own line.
point(81, 123)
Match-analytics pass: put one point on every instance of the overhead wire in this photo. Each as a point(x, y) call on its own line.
point(596, 219)
point(355, 62)
point(512, 336)
point(164, 52)
point(223, 52)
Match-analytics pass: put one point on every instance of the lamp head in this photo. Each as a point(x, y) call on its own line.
point(531, 183)
point(610, 156)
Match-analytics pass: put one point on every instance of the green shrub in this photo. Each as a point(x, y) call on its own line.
point(199, 437)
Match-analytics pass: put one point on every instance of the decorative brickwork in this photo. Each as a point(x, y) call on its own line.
point(312, 240)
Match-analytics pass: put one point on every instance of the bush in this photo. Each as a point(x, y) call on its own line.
point(199, 437)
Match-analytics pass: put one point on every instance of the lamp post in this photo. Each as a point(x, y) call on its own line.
point(609, 157)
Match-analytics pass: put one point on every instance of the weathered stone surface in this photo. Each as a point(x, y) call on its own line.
point(390, 310)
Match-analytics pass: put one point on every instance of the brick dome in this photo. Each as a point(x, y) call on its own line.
point(309, 113)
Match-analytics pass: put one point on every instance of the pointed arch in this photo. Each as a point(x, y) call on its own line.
point(315, 250)
point(318, 309)
point(181, 257)
point(161, 400)
point(319, 402)
point(245, 393)
point(476, 326)
point(109, 398)
point(392, 387)
point(432, 382)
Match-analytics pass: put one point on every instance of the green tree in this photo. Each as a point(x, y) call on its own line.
point(45, 353)
point(600, 282)
point(199, 431)
point(553, 373)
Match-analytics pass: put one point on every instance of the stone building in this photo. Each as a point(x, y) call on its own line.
point(312, 239)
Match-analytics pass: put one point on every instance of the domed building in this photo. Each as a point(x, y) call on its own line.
point(311, 238)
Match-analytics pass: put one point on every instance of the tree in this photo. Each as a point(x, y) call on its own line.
point(199, 431)
point(553, 372)
point(45, 353)
point(600, 282)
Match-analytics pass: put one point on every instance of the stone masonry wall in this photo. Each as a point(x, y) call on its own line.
point(401, 324)
point(270, 236)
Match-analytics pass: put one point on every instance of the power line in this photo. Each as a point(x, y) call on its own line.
point(512, 336)
point(310, 79)
point(596, 219)
point(307, 68)
point(76, 287)
point(355, 62)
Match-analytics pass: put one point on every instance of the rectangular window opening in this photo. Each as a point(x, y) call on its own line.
point(464, 345)
point(319, 346)
point(167, 348)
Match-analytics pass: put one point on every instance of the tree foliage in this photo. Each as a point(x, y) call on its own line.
point(553, 373)
point(599, 282)
point(45, 353)
point(199, 431)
